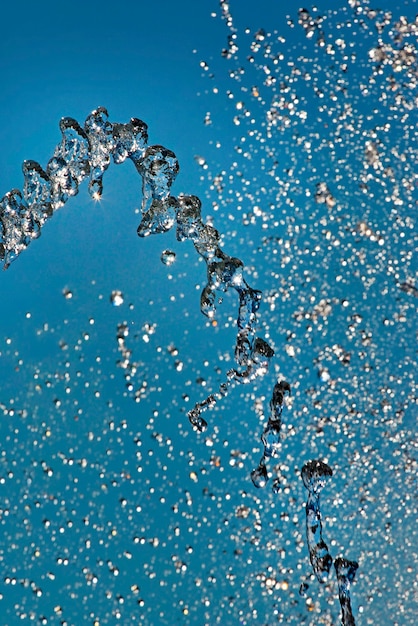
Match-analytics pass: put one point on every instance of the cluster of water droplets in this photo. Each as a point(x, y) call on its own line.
point(331, 125)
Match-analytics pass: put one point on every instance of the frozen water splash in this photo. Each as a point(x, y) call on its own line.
point(82, 152)
point(353, 101)
point(87, 152)
point(271, 435)
point(158, 168)
point(74, 149)
point(315, 474)
point(256, 363)
point(224, 272)
point(259, 475)
point(160, 213)
point(346, 571)
point(130, 140)
point(159, 218)
point(18, 226)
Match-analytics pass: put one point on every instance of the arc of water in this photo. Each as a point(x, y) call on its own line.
point(87, 152)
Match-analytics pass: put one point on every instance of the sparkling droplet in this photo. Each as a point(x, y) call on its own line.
point(168, 257)
point(116, 297)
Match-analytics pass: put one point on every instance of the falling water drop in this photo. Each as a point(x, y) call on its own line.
point(168, 257)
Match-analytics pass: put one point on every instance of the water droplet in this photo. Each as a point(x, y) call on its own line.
point(303, 589)
point(168, 257)
point(116, 297)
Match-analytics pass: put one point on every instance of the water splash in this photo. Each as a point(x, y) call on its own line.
point(368, 448)
point(315, 474)
point(346, 571)
point(87, 152)
point(271, 434)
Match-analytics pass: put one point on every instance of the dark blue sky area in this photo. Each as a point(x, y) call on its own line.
point(135, 58)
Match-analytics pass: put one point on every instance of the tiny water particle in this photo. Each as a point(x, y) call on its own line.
point(116, 297)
